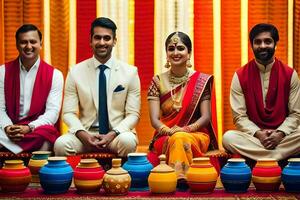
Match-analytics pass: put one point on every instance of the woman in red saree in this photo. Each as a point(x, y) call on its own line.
point(180, 108)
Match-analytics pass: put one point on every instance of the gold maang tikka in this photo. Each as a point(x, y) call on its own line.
point(175, 38)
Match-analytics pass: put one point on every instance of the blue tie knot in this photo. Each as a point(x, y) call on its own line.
point(102, 67)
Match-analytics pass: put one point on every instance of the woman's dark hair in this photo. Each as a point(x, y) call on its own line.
point(262, 27)
point(185, 39)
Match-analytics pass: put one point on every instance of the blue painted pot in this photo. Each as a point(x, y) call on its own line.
point(56, 176)
point(139, 169)
point(291, 176)
point(236, 176)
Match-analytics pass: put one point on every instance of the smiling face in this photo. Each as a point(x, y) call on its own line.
point(177, 52)
point(29, 46)
point(263, 47)
point(102, 43)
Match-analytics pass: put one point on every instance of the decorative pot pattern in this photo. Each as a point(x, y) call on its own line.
point(14, 176)
point(236, 176)
point(162, 178)
point(201, 176)
point(291, 175)
point(116, 181)
point(139, 169)
point(266, 175)
point(56, 176)
point(88, 176)
point(38, 160)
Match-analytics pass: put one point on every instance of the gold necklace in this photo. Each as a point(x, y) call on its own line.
point(177, 102)
point(177, 80)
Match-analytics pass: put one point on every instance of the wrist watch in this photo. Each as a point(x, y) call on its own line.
point(32, 127)
point(116, 131)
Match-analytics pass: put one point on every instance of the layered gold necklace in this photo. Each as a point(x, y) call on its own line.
point(174, 81)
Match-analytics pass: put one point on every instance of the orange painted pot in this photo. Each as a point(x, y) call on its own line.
point(117, 180)
point(38, 160)
point(201, 176)
point(162, 178)
point(266, 175)
point(88, 176)
point(14, 176)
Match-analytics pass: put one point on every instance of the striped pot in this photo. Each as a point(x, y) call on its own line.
point(266, 175)
point(201, 176)
point(38, 160)
point(14, 177)
point(88, 176)
point(291, 175)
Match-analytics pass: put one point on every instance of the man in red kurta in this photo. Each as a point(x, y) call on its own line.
point(30, 97)
point(265, 102)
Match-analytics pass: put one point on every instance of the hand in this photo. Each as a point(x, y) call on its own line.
point(16, 132)
point(273, 140)
point(105, 139)
point(176, 129)
point(261, 135)
point(90, 141)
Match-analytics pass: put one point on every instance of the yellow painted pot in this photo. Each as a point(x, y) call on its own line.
point(162, 178)
point(201, 176)
point(38, 160)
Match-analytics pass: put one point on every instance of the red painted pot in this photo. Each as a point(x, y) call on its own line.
point(88, 176)
point(266, 175)
point(14, 176)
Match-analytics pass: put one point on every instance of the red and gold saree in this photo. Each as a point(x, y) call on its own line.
point(181, 147)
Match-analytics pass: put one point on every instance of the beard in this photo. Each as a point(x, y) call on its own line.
point(264, 55)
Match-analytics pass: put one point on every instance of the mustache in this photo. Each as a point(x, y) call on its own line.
point(100, 46)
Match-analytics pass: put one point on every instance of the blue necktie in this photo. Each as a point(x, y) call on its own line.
point(102, 109)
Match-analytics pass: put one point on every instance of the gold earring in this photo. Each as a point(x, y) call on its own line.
point(188, 63)
point(167, 65)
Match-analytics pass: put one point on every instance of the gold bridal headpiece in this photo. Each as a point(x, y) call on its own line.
point(175, 38)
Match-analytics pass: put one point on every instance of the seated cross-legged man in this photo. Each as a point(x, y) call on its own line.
point(102, 100)
point(265, 102)
point(30, 97)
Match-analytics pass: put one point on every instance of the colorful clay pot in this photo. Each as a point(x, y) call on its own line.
point(236, 176)
point(139, 169)
point(56, 176)
point(88, 176)
point(266, 175)
point(14, 176)
point(116, 181)
point(291, 175)
point(162, 178)
point(38, 160)
point(201, 176)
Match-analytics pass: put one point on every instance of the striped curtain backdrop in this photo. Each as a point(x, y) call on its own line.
point(218, 29)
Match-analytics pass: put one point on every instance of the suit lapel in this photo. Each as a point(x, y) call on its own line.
point(93, 84)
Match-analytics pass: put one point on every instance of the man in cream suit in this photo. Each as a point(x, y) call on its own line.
point(102, 100)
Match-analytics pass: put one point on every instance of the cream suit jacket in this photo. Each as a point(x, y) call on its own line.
point(81, 97)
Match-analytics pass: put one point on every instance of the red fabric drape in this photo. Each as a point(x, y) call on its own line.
point(86, 13)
